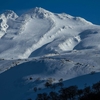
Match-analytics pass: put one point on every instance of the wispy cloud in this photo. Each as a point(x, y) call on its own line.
point(20, 12)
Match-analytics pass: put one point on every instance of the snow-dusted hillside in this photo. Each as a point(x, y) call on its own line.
point(41, 45)
point(19, 82)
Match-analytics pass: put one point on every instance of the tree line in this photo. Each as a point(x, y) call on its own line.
point(71, 92)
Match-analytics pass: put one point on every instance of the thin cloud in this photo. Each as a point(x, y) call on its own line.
point(20, 12)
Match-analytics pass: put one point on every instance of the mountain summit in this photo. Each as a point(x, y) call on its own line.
point(39, 12)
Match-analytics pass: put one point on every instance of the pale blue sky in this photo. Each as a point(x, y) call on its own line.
point(88, 9)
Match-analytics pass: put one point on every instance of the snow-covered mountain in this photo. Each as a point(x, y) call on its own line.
point(40, 32)
point(41, 45)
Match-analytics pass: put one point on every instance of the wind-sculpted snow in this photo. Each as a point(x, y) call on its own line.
point(5, 19)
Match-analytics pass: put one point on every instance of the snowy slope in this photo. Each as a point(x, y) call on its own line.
point(18, 83)
point(40, 45)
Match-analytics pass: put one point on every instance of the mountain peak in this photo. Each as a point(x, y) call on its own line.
point(39, 9)
point(39, 12)
point(10, 14)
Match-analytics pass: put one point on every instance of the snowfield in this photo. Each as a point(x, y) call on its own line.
point(41, 45)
